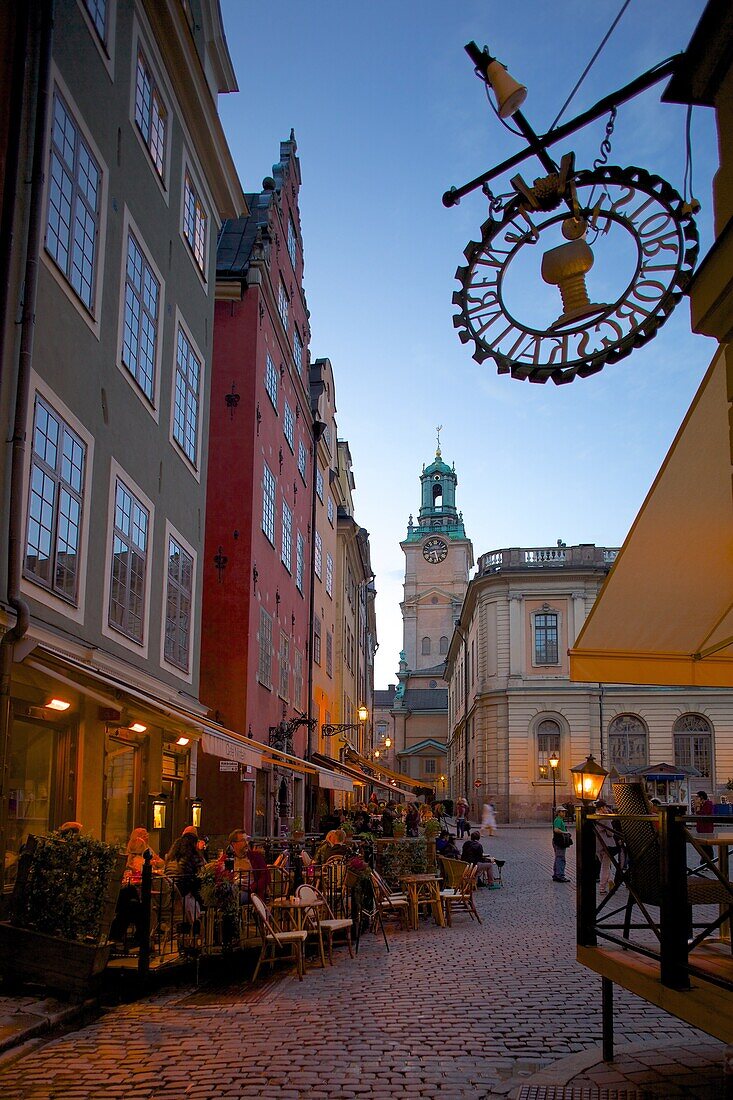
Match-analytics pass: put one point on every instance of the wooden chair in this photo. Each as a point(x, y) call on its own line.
point(326, 923)
point(395, 905)
point(461, 896)
point(642, 874)
point(453, 871)
point(274, 941)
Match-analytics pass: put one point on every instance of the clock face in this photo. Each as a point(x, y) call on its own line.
point(434, 550)
point(565, 281)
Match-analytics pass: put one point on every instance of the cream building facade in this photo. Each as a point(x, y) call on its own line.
point(511, 702)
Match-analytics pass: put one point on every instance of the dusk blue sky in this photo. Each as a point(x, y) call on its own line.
point(388, 114)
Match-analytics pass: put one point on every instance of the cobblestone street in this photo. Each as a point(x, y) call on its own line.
point(465, 1011)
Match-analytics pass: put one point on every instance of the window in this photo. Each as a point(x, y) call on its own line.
point(287, 541)
point(298, 680)
point(129, 563)
point(545, 638)
point(98, 14)
point(151, 115)
point(186, 399)
point(289, 425)
point(292, 240)
point(55, 500)
point(329, 509)
point(627, 741)
point(268, 503)
point(74, 193)
point(317, 640)
point(140, 330)
point(693, 744)
point(178, 605)
point(443, 645)
point(299, 560)
point(284, 666)
point(297, 350)
point(319, 484)
point(327, 437)
point(283, 304)
point(271, 382)
point(194, 223)
point(329, 653)
point(302, 458)
point(329, 574)
point(548, 741)
point(425, 647)
point(264, 642)
point(318, 556)
point(429, 766)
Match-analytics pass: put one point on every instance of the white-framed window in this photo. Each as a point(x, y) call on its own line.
point(283, 303)
point(187, 388)
point(546, 637)
point(100, 17)
point(74, 203)
point(330, 510)
point(693, 744)
point(195, 222)
point(178, 604)
point(302, 458)
point(287, 539)
point(318, 556)
point(128, 579)
point(292, 240)
point(98, 11)
point(284, 686)
point(327, 437)
point(329, 574)
point(298, 680)
point(628, 741)
point(297, 349)
point(549, 736)
point(140, 317)
point(289, 425)
point(271, 381)
point(268, 503)
point(264, 642)
point(55, 504)
point(316, 639)
point(329, 653)
point(151, 114)
point(319, 484)
point(299, 560)
point(429, 766)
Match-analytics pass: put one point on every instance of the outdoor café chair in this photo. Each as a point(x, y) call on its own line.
point(274, 941)
point(328, 923)
point(395, 905)
point(453, 871)
point(461, 896)
point(642, 874)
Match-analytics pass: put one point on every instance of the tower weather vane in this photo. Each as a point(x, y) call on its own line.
point(641, 231)
point(439, 429)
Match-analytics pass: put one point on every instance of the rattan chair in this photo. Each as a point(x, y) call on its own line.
point(321, 919)
point(461, 896)
point(395, 905)
point(453, 871)
point(274, 941)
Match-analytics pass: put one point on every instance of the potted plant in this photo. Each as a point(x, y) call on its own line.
point(62, 907)
point(431, 828)
point(298, 830)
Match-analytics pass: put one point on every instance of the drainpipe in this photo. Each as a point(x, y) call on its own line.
point(464, 639)
point(318, 427)
point(39, 90)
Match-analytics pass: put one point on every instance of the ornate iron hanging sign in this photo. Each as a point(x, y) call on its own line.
point(524, 301)
point(527, 298)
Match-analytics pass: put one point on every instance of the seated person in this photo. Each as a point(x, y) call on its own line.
point(473, 852)
point(446, 846)
point(129, 905)
point(245, 866)
point(333, 845)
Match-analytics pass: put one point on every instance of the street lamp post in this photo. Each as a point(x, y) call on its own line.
point(553, 762)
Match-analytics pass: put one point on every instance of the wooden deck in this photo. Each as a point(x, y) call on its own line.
point(705, 1005)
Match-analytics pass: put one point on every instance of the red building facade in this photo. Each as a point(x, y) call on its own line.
point(257, 562)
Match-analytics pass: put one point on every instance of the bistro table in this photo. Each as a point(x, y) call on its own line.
point(423, 890)
point(723, 841)
point(296, 910)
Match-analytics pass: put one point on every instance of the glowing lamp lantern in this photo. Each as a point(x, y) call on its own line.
point(363, 713)
point(158, 808)
point(588, 779)
point(196, 808)
point(57, 704)
point(387, 742)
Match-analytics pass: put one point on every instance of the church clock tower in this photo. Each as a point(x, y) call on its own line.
point(438, 558)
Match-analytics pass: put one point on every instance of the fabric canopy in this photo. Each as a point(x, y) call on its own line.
point(665, 613)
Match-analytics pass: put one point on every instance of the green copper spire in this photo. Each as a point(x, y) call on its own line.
point(438, 512)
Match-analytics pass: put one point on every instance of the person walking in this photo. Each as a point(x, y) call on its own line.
point(488, 819)
point(561, 841)
point(462, 825)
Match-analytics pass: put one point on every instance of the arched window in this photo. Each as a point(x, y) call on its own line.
point(426, 647)
point(443, 644)
point(628, 742)
point(548, 741)
point(693, 743)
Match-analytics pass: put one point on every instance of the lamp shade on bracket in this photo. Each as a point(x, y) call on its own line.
point(510, 94)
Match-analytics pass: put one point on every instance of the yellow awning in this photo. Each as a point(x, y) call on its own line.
point(399, 777)
point(665, 612)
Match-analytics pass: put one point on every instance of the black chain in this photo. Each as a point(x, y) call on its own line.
point(605, 150)
point(495, 202)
